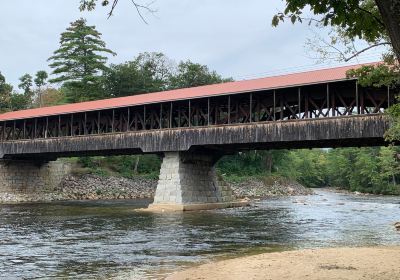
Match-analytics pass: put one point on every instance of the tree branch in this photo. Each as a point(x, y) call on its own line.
point(365, 49)
point(371, 14)
point(138, 7)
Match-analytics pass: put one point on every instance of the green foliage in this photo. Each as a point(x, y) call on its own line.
point(393, 133)
point(148, 72)
point(26, 84)
point(125, 166)
point(376, 75)
point(153, 72)
point(19, 101)
point(191, 74)
point(79, 62)
point(372, 170)
point(5, 94)
point(357, 18)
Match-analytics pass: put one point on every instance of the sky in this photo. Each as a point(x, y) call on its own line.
point(233, 37)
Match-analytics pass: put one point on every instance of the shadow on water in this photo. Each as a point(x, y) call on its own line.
point(109, 239)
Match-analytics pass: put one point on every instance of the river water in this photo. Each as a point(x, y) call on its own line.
point(110, 240)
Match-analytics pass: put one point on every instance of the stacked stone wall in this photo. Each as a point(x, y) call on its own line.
point(28, 177)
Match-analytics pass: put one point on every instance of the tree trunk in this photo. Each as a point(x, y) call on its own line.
point(268, 162)
point(390, 12)
point(135, 169)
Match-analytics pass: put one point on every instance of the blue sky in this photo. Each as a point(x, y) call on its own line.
point(234, 38)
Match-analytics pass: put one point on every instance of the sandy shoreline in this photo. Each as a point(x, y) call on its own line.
point(370, 263)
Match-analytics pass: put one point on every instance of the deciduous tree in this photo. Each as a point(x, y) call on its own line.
point(191, 74)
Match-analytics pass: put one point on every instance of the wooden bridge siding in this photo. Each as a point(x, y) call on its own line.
point(358, 130)
point(313, 101)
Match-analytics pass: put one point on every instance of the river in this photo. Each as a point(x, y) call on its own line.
point(110, 240)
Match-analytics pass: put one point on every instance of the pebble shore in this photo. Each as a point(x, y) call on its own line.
point(93, 187)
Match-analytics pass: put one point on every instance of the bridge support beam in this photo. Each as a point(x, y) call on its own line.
point(188, 182)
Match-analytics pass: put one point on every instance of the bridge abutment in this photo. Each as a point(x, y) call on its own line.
point(25, 178)
point(188, 181)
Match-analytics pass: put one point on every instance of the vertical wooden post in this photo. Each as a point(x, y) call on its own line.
point(251, 107)
point(85, 126)
point(47, 128)
point(281, 106)
point(179, 117)
point(358, 108)
point(327, 99)
point(128, 122)
point(208, 111)
point(388, 96)
point(59, 126)
point(72, 124)
point(98, 122)
point(229, 109)
point(274, 106)
point(170, 114)
point(14, 134)
point(112, 120)
point(190, 113)
point(161, 112)
point(4, 131)
point(35, 135)
point(144, 117)
point(306, 106)
point(24, 134)
point(299, 101)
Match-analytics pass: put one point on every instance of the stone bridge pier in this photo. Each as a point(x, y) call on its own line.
point(188, 181)
point(27, 179)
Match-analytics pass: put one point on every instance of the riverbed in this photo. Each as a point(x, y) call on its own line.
point(110, 240)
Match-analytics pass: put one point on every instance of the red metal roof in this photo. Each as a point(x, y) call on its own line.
point(275, 82)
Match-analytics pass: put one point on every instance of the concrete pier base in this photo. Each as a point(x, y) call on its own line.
point(188, 182)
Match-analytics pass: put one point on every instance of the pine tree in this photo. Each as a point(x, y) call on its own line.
point(79, 62)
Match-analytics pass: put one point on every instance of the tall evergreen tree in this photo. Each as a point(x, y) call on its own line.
point(79, 61)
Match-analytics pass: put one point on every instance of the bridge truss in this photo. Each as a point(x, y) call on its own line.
point(323, 100)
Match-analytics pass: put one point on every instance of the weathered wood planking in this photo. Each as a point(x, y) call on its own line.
point(357, 130)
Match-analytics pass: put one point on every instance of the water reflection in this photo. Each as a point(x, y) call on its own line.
point(102, 240)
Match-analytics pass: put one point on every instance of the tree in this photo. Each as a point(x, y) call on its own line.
point(40, 81)
point(24, 100)
point(148, 72)
point(376, 22)
point(26, 84)
point(191, 74)
point(5, 94)
point(79, 61)
point(52, 96)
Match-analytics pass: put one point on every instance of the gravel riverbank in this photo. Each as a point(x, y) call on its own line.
point(94, 187)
